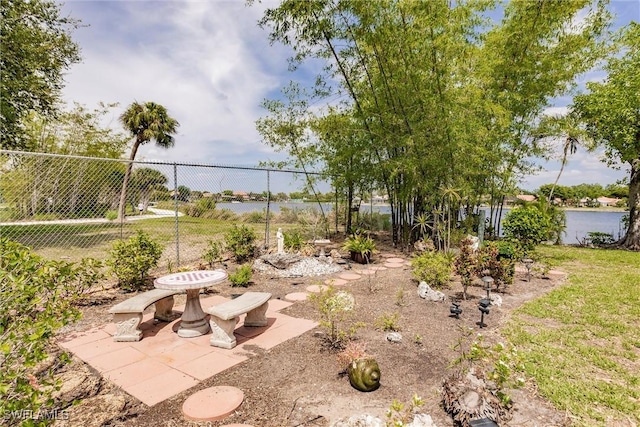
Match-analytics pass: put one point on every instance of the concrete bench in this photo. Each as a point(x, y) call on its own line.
point(225, 316)
point(127, 315)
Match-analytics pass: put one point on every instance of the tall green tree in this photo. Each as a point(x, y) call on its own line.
point(145, 122)
point(146, 180)
point(442, 97)
point(611, 113)
point(36, 49)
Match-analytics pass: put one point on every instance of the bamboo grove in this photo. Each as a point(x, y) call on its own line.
point(432, 102)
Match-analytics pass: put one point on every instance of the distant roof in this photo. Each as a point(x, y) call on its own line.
point(527, 197)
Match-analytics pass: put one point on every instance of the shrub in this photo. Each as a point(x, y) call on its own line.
point(201, 208)
point(213, 253)
point(132, 259)
point(241, 277)
point(433, 268)
point(598, 238)
point(336, 308)
point(502, 269)
point(527, 225)
point(38, 298)
point(240, 241)
point(293, 240)
point(466, 264)
point(359, 243)
point(111, 215)
point(255, 217)
point(388, 322)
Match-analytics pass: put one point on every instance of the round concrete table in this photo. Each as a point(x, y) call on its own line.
point(193, 323)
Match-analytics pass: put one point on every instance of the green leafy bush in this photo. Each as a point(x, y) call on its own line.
point(359, 243)
point(528, 225)
point(240, 241)
point(500, 268)
point(132, 259)
point(466, 264)
point(293, 240)
point(111, 215)
point(388, 322)
point(336, 309)
point(598, 238)
point(201, 208)
point(38, 298)
point(241, 277)
point(434, 268)
point(213, 252)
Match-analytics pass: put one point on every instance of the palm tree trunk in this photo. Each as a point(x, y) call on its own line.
point(125, 181)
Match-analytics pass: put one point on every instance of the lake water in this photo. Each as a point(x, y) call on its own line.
point(579, 222)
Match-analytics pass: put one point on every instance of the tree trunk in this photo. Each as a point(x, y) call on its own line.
point(632, 239)
point(123, 193)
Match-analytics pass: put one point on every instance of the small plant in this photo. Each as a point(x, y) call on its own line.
point(240, 241)
point(502, 269)
point(213, 253)
point(352, 351)
point(598, 238)
point(417, 339)
point(360, 246)
point(293, 240)
point(132, 259)
point(432, 268)
point(111, 215)
point(466, 264)
point(241, 277)
point(400, 414)
point(388, 322)
point(336, 308)
point(400, 297)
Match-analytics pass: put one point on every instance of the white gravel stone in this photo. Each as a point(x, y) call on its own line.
point(305, 267)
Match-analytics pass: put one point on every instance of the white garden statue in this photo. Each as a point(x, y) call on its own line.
point(280, 238)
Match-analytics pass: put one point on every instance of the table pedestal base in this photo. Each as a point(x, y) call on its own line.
point(193, 322)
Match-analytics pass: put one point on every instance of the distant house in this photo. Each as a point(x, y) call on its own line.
point(607, 201)
point(379, 199)
point(240, 195)
point(526, 197)
point(207, 194)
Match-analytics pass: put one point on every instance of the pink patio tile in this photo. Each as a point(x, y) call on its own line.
point(136, 372)
point(297, 296)
point(278, 304)
point(350, 276)
point(161, 387)
point(277, 336)
point(116, 359)
point(158, 344)
point(210, 364)
point(182, 354)
point(76, 339)
point(96, 348)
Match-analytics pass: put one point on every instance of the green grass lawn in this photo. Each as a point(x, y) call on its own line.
point(581, 342)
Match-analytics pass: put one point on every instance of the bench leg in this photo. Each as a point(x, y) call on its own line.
point(222, 331)
point(257, 316)
point(164, 310)
point(127, 327)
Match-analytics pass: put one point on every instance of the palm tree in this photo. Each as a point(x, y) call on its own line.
point(146, 122)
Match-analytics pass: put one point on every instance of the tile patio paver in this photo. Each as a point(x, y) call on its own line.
point(163, 364)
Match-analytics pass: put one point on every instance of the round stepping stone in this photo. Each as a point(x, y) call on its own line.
point(335, 282)
point(377, 268)
point(296, 296)
point(394, 264)
point(367, 272)
point(350, 276)
point(213, 403)
point(397, 260)
point(316, 289)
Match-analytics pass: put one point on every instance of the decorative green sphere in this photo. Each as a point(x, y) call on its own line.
point(364, 374)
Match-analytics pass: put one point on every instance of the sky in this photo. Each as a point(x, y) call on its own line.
point(211, 65)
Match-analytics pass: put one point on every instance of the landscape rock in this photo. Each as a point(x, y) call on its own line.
point(363, 420)
point(394, 337)
point(496, 300)
point(303, 267)
point(422, 420)
point(425, 292)
point(280, 261)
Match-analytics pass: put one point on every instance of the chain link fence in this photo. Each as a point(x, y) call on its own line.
point(66, 207)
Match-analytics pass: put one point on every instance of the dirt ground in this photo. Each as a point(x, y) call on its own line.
point(299, 382)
